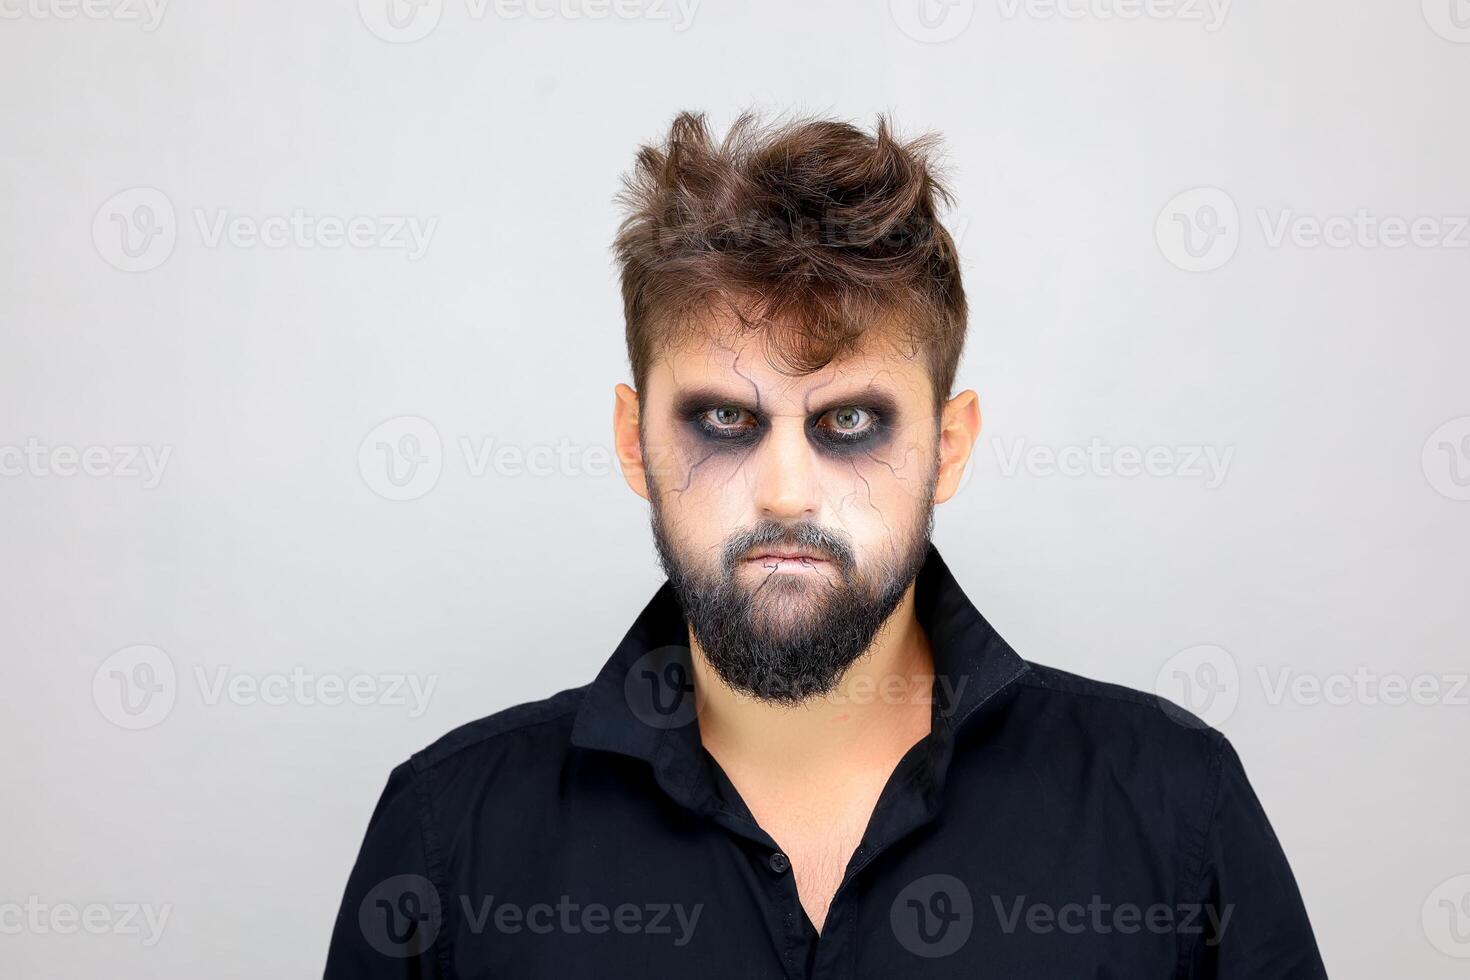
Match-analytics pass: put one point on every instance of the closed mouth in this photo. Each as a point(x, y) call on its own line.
point(767, 556)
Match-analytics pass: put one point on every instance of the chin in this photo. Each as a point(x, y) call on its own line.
point(784, 619)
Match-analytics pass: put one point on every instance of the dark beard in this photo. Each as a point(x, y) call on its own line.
point(825, 628)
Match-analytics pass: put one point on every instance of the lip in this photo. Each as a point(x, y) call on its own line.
point(785, 556)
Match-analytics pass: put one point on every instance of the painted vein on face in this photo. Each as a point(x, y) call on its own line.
point(715, 429)
point(898, 433)
point(695, 454)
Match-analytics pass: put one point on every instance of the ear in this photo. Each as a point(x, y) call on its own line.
point(625, 439)
point(958, 431)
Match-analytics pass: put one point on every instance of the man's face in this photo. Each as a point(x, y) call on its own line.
point(791, 513)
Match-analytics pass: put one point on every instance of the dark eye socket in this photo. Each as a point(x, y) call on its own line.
point(727, 422)
point(844, 424)
point(726, 415)
point(848, 422)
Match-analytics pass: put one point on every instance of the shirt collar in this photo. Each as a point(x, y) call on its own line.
point(643, 704)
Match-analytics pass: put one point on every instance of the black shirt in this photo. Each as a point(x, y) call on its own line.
point(1048, 827)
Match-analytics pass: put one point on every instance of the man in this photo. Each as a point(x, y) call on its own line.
point(811, 756)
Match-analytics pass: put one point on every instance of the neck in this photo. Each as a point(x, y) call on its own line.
point(882, 702)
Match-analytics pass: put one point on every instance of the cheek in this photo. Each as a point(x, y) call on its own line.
point(702, 491)
point(875, 495)
point(690, 466)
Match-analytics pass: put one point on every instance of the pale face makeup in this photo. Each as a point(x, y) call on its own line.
point(845, 457)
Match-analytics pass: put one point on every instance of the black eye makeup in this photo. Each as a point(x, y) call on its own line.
point(727, 422)
point(848, 425)
point(861, 424)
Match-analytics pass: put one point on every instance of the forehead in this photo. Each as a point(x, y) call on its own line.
point(745, 368)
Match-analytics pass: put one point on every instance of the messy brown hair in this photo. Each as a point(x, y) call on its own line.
point(811, 230)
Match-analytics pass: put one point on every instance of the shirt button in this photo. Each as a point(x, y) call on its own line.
point(780, 863)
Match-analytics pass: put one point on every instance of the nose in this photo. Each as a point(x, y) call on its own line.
point(786, 473)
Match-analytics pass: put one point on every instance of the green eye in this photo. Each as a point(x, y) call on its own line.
point(849, 427)
point(727, 422)
point(847, 421)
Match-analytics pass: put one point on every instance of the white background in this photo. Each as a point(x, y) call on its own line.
point(1334, 543)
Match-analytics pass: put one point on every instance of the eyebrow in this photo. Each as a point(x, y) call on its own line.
point(704, 397)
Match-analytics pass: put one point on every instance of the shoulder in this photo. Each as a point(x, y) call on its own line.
point(1119, 754)
point(1138, 730)
point(530, 736)
point(1100, 702)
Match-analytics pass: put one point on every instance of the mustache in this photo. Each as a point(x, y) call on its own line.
point(798, 536)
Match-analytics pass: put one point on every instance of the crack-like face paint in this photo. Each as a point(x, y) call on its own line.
point(804, 497)
point(857, 424)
